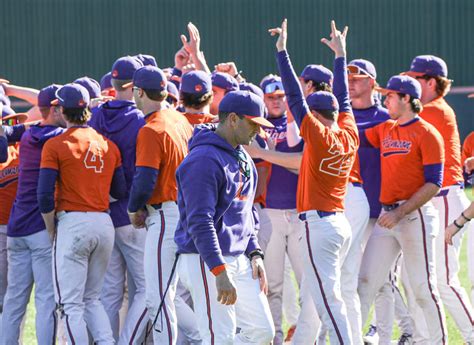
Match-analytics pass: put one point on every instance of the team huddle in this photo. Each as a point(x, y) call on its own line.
point(205, 197)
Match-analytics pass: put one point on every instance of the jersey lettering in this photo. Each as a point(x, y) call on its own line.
point(93, 158)
point(339, 164)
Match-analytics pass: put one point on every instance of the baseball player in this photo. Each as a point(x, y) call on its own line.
point(330, 145)
point(432, 73)
point(119, 120)
point(408, 222)
point(222, 83)
point(220, 261)
point(87, 167)
point(161, 146)
point(28, 243)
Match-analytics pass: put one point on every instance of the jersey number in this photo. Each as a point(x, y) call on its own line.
point(339, 164)
point(93, 159)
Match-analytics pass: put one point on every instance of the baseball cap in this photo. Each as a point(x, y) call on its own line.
point(172, 92)
point(47, 95)
point(361, 68)
point(224, 81)
point(72, 96)
point(272, 85)
point(196, 82)
point(125, 67)
point(322, 100)
point(317, 73)
point(147, 60)
point(429, 65)
point(106, 81)
point(252, 88)
point(246, 104)
point(91, 85)
point(149, 77)
point(402, 84)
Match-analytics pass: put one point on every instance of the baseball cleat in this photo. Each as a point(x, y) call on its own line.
point(371, 337)
point(405, 339)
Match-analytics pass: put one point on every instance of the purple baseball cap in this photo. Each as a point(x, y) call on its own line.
point(252, 88)
point(147, 60)
point(402, 84)
point(149, 77)
point(246, 104)
point(47, 95)
point(125, 67)
point(72, 96)
point(106, 81)
point(361, 68)
point(172, 91)
point(196, 82)
point(91, 85)
point(317, 73)
point(272, 85)
point(224, 81)
point(322, 100)
point(429, 65)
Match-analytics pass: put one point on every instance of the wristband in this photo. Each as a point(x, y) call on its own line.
point(457, 225)
point(464, 216)
point(256, 252)
point(237, 74)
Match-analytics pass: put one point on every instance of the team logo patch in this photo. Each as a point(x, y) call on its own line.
point(82, 103)
point(114, 73)
point(162, 84)
point(198, 88)
point(395, 147)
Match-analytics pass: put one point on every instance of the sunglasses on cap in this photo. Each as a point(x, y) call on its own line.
point(11, 122)
point(357, 71)
point(275, 86)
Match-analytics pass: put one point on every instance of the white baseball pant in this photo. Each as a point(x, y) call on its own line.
point(414, 235)
point(81, 254)
point(3, 264)
point(286, 233)
point(265, 227)
point(470, 257)
point(291, 306)
point(451, 202)
point(127, 256)
point(327, 239)
point(29, 261)
point(188, 332)
point(217, 322)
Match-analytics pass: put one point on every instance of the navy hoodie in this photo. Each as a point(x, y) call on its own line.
point(216, 190)
point(120, 122)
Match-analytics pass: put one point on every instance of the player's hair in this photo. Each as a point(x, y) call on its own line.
point(328, 114)
point(322, 86)
point(77, 116)
point(223, 116)
point(44, 112)
point(118, 84)
point(415, 104)
point(156, 95)
point(443, 85)
point(191, 100)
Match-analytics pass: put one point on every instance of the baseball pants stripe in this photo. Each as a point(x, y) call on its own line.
point(137, 326)
point(430, 286)
point(208, 302)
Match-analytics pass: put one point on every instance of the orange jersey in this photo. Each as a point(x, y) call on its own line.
point(197, 119)
point(442, 117)
point(354, 175)
point(86, 162)
point(404, 151)
point(162, 144)
point(8, 183)
point(264, 170)
point(328, 158)
point(468, 147)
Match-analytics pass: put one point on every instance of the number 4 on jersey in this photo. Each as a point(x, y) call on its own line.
point(93, 158)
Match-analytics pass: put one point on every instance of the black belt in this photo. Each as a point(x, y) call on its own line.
point(321, 214)
point(159, 206)
point(390, 207)
point(357, 184)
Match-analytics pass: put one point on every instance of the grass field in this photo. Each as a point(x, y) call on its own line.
point(455, 338)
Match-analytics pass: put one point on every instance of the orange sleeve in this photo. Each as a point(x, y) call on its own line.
point(49, 156)
point(311, 129)
point(468, 147)
point(432, 148)
point(149, 148)
point(373, 135)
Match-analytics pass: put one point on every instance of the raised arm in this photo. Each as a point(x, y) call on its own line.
point(193, 47)
point(293, 91)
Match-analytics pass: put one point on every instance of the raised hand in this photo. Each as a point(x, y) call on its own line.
point(181, 58)
point(282, 35)
point(194, 45)
point(337, 43)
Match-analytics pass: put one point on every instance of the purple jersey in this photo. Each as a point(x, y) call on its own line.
point(369, 157)
point(25, 218)
point(281, 187)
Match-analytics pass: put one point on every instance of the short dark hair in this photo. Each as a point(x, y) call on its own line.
point(44, 112)
point(415, 103)
point(328, 114)
point(321, 86)
point(119, 83)
point(77, 116)
point(194, 101)
point(443, 84)
point(223, 116)
point(156, 95)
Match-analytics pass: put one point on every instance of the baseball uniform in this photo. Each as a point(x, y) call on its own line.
point(467, 152)
point(416, 144)
point(327, 160)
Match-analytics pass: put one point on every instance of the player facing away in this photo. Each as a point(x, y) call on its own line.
point(331, 142)
point(161, 146)
point(86, 167)
point(220, 261)
point(432, 74)
point(28, 243)
point(412, 160)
